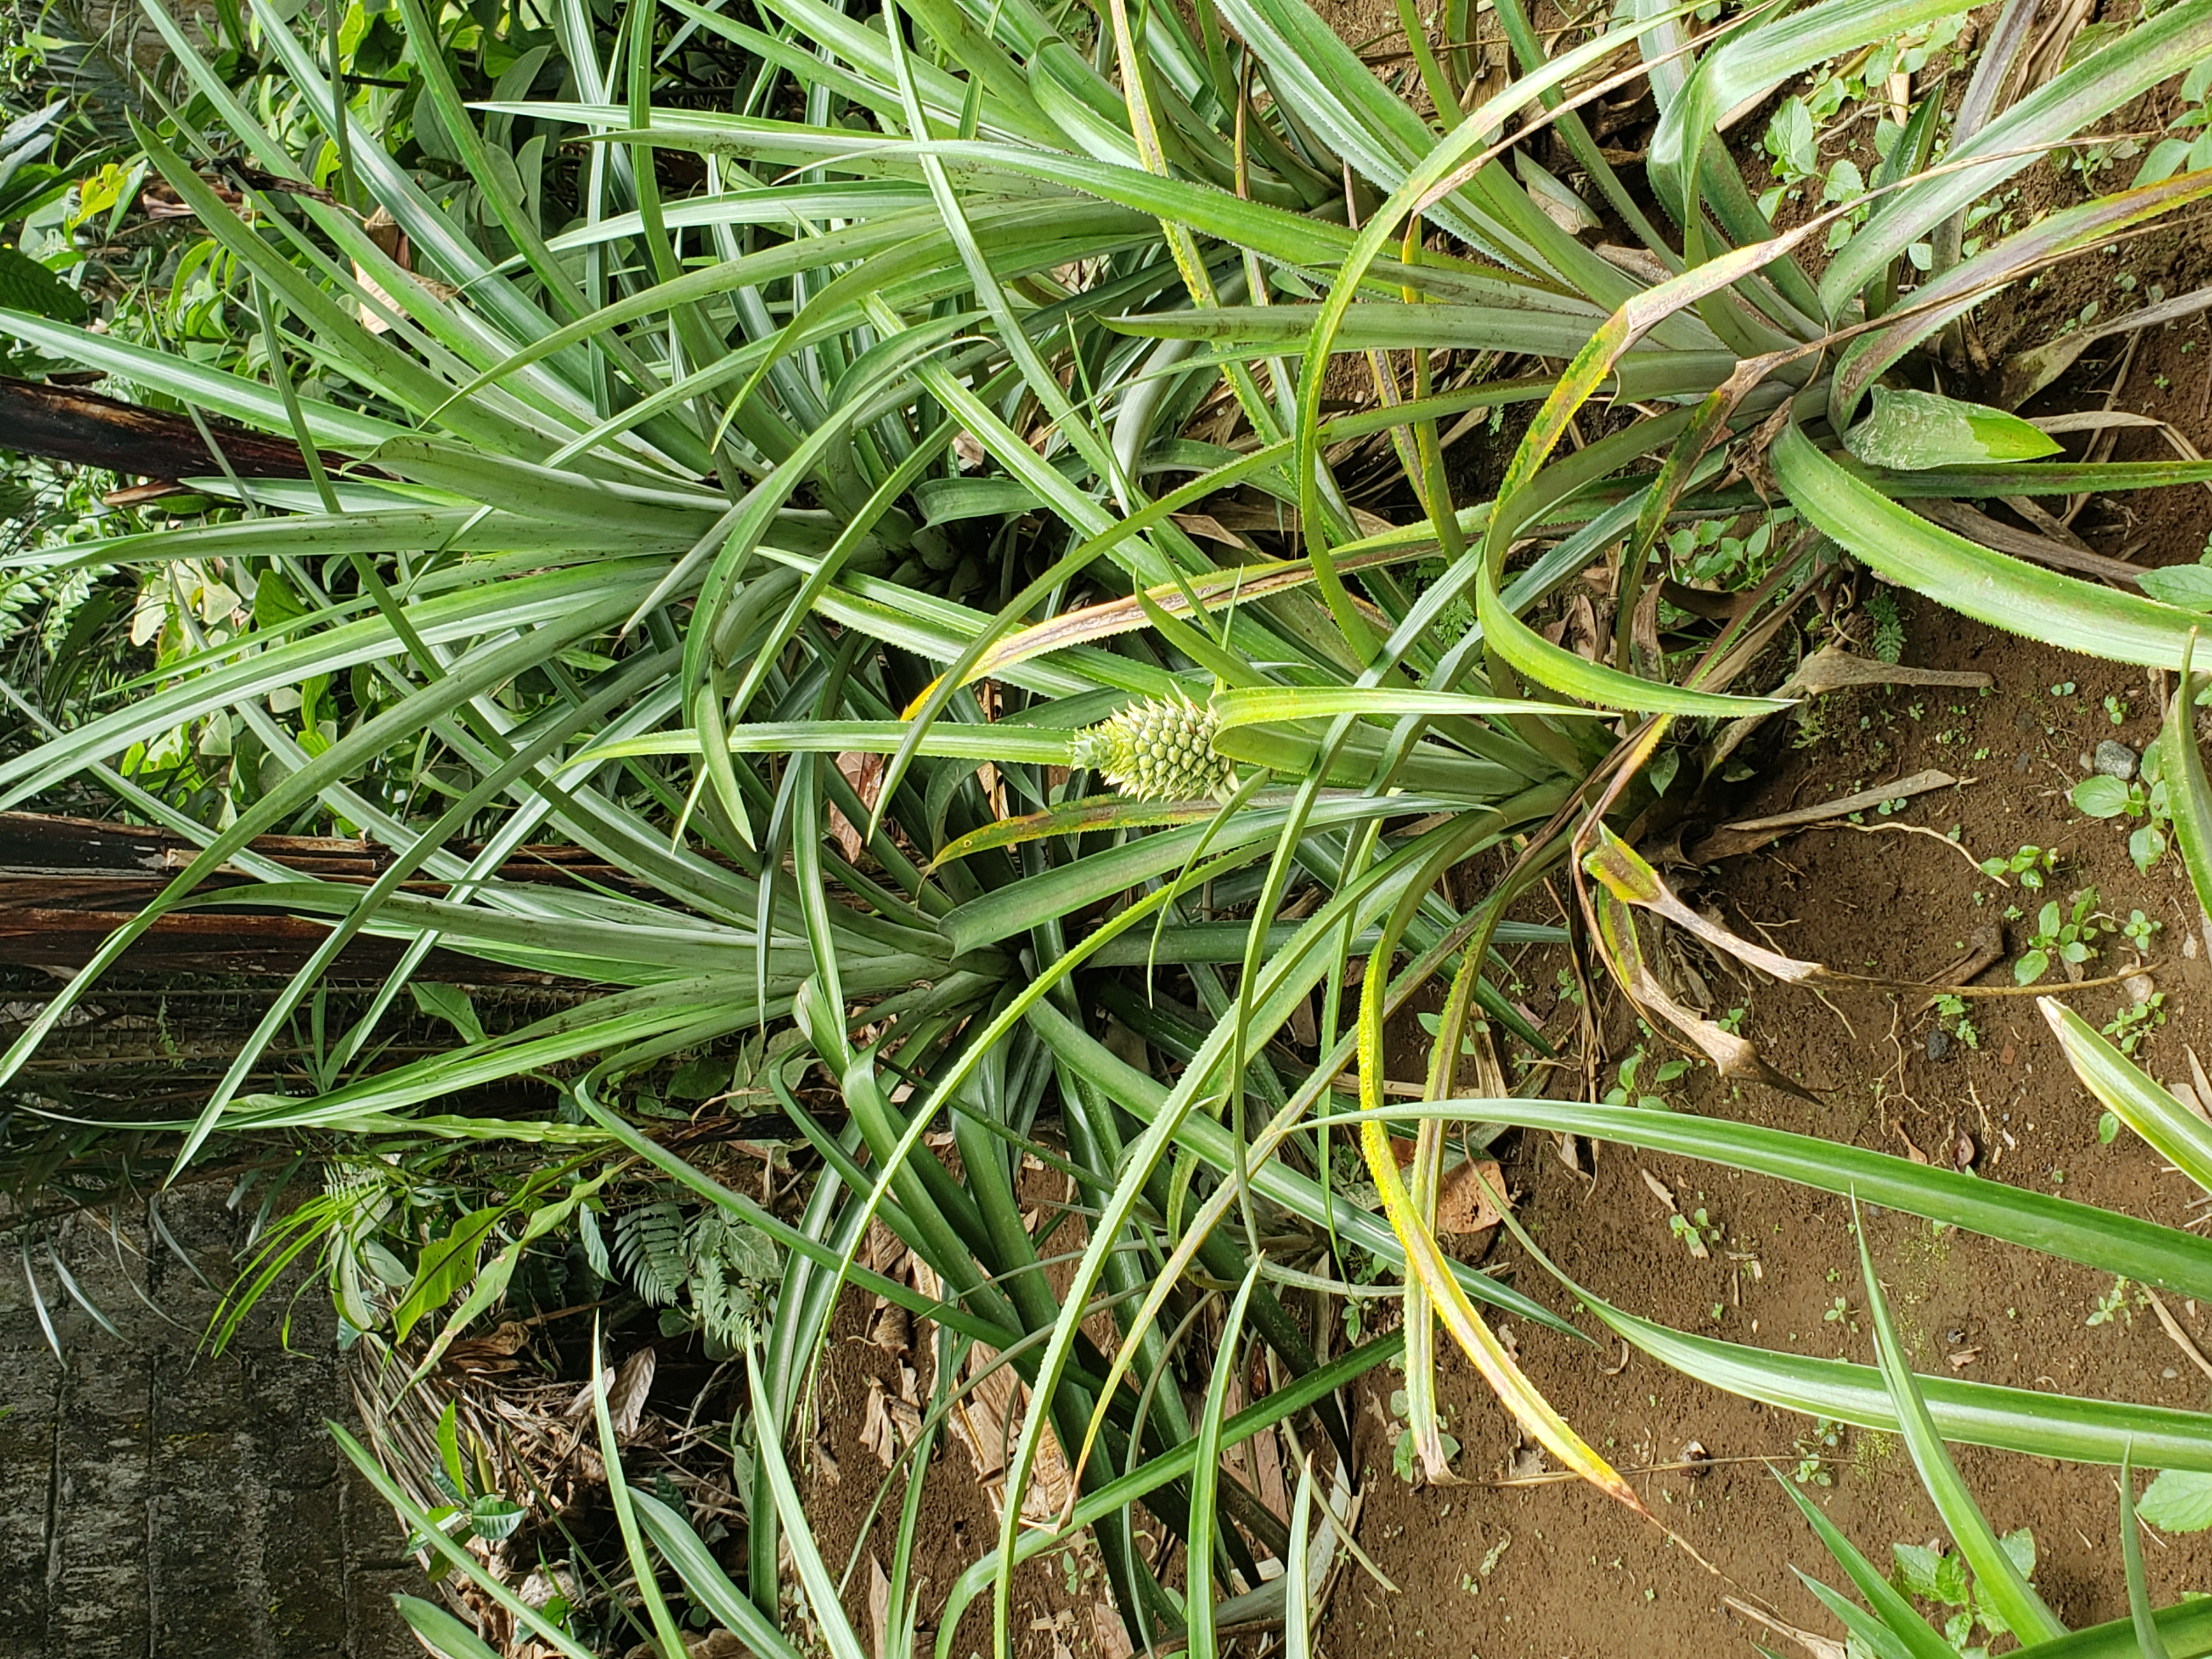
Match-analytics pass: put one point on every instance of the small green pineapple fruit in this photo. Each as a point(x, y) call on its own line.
point(1159, 749)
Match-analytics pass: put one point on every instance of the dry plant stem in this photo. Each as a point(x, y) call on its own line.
point(1820, 1647)
point(1911, 830)
point(2173, 1329)
point(1556, 1477)
point(1918, 784)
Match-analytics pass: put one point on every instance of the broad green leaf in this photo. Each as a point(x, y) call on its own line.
point(1905, 1628)
point(1252, 705)
point(26, 285)
point(703, 1579)
point(2185, 1627)
point(2100, 797)
point(2148, 1635)
point(2189, 586)
point(1003, 743)
point(440, 1631)
point(451, 1003)
point(447, 1264)
point(1206, 1472)
point(210, 389)
point(1912, 431)
point(1932, 1574)
point(1298, 1611)
point(2028, 1421)
point(2178, 1500)
point(1959, 290)
point(668, 1639)
point(452, 1553)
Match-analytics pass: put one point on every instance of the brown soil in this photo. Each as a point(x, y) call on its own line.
point(959, 1524)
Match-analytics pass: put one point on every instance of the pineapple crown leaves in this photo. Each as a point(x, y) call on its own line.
point(1157, 749)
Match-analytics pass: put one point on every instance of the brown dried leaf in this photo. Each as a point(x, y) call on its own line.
point(891, 1328)
point(1109, 1638)
point(877, 1434)
point(1665, 1194)
point(1646, 659)
point(626, 1399)
point(1865, 801)
point(1461, 1206)
point(384, 230)
point(627, 1391)
point(864, 772)
point(1820, 1647)
point(879, 1608)
point(1206, 524)
point(1832, 668)
point(1732, 1056)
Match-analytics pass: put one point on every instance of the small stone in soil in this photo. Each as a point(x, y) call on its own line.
point(2114, 759)
point(1939, 1044)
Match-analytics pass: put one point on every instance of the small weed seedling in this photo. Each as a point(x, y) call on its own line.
point(2101, 797)
point(2029, 866)
point(2116, 1306)
point(2067, 936)
point(2137, 930)
point(1404, 1458)
point(1694, 1228)
point(474, 1506)
point(1629, 1089)
point(2192, 145)
point(1434, 1022)
point(1888, 625)
point(1815, 1451)
point(1951, 1012)
point(2136, 1022)
point(1942, 1578)
point(1704, 554)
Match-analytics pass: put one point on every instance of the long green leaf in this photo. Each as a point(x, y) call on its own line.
point(2024, 1420)
point(2123, 69)
point(2175, 1133)
point(2166, 1257)
point(2188, 793)
point(1901, 547)
point(1906, 1628)
point(1997, 1575)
